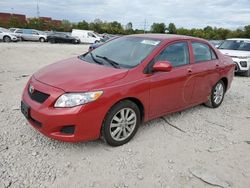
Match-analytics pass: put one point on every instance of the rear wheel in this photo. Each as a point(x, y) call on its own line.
point(217, 95)
point(121, 123)
point(6, 39)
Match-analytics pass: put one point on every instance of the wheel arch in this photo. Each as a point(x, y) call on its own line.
point(225, 81)
point(137, 102)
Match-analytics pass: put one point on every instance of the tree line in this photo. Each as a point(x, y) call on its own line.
point(115, 27)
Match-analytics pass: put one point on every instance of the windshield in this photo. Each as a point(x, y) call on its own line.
point(235, 45)
point(125, 52)
point(4, 30)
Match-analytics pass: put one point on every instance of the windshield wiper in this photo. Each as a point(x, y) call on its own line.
point(111, 62)
point(92, 56)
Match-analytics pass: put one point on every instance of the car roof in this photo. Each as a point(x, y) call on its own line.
point(244, 39)
point(165, 36)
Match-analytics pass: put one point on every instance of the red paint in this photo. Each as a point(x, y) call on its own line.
point(159, 92)
point(163, 66)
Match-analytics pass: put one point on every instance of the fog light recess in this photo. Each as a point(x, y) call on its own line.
point(68, 129)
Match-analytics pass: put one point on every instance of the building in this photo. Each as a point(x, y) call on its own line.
point(5, 18)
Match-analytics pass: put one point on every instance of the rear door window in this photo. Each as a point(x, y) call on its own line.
point(19, 31)
point(202, 52)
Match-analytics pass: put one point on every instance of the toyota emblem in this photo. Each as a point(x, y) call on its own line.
point(31, 89)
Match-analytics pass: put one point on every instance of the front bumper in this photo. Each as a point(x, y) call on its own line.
point(242, 65)
point(86, 120)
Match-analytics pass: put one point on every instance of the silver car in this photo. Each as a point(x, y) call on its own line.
point(30, 35)
point(7, 36)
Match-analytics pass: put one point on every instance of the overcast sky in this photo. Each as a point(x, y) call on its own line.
point(184, 13)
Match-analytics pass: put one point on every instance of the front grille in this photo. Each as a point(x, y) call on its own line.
point(38, 96)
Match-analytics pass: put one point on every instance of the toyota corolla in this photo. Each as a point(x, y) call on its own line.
point(108, 92)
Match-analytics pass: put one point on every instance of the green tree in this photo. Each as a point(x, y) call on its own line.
point(14, 22)
point(66, 26)
point(172, 28)
point(183, 31)
point(158, 28)
point(83, 25)
point(247, 31)
point(35, 23)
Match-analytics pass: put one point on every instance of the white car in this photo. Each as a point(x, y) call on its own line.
point(86, 36)
point(239, 50)
point(7, 36)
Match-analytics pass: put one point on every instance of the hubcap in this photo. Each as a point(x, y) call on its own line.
point(218, 93)
point(123, 124)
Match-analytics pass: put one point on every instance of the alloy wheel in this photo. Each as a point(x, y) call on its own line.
point(123, 124)
point(218, 93)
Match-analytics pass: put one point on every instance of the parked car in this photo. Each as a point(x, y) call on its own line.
point(110, 91)
point(62, 38)
point(86, 36)
point(239, 50)
point(104, 40)
point(29, 34)
point(216, 43)
point(7, 36)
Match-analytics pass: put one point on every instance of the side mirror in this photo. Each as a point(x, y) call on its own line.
point(162, 66)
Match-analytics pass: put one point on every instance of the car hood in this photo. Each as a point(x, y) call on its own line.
point(9, 33)
point(75, 75)
point(235, 53)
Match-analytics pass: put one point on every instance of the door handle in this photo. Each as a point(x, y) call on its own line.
point(189, 71)
point(217, 65)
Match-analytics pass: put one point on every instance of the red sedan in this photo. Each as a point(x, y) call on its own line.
point(110, 91)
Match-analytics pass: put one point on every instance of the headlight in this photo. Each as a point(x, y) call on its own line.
point(75, 99)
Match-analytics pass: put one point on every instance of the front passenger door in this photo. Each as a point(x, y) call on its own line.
point(168, 90)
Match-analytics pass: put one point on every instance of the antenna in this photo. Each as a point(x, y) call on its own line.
point(37, 10)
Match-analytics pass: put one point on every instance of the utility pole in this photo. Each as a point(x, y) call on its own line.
point(145, 24)
point(37, 10)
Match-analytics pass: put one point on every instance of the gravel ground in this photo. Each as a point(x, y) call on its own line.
point(211, 148)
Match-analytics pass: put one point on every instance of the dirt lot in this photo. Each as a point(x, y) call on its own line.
point(212, 145)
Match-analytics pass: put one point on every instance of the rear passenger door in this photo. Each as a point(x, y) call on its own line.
point(34, 35)
point(205, 71)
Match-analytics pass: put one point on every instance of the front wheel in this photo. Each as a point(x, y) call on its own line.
point(42, 39)
point(121, 123)
point(217, 95)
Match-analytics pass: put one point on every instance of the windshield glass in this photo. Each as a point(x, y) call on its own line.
point(235, 45)
point(4, 30)
point(126, 52)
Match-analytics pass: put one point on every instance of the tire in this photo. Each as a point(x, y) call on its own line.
point(123, 129)
point(42, 39)
point(247, 73)
point(6, 39)
point(96, 41)
point(217, 95)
